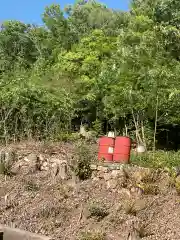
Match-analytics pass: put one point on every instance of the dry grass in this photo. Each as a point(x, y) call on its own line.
point(129, 208)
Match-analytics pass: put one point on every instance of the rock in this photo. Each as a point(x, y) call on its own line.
point(63, 171)
point(93, 167)
point(100, 174)
point(139, 205)
point(112, 183)
point(30, 163)
point(94, 174)
point(136, 191)
point(134, 235)
point(44, 168)
point(107, 176)
point(60, 168)
point(26, 159)
point(125, 192)
point(117, 174)
point(95, 179)
point(53, 160)
point(40, 158)
point(102, 169)
point(44, 164)
point(16, 168)
point(54, 169)
point(32, 158)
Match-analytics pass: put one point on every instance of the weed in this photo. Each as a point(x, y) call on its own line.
point(31, 186)
point(51, 210)
point(129, 208)
point(116, 219)
point(142, 232)
point(67, 137)
point(151, 177)
point(91, 236)
point(177, 185)
point(97, 211)
point(150, 189)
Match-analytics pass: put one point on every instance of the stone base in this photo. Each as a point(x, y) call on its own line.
point(17, 234)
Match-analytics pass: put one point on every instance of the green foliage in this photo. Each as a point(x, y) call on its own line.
point(82, 166)
point(16, 47)
point(158, 159)
point(102, 65)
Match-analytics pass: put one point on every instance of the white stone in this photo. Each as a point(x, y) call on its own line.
point(103, 169)
point(115, 173)
point(95, 179)
point(54, 165)
point(93, 167)
point(40, 158)
point(26, 159)
point(44, 164)
point(63, 171)
point(125, 192)
point(111, 184)
point(107, 176)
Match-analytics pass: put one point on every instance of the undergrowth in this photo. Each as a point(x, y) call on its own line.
point(157, 159)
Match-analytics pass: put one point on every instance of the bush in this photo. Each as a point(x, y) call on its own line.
point(97, 211)
point(30, 111)
point(67, 137)
point(83, 159)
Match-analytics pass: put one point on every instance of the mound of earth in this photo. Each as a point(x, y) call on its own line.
point(86, 210)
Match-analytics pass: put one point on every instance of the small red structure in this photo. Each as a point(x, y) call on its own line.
point(106, 148)
point(122, 150)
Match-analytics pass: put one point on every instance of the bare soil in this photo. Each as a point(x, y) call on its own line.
point(38, 203)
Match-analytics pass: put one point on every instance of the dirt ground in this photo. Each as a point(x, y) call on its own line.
point(40, 203)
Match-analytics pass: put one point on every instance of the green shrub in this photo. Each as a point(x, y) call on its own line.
point(98, 211)
point(83, 158)
point(97, 127)
point(150, 189)
point(66, 137)
point(91, 236)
